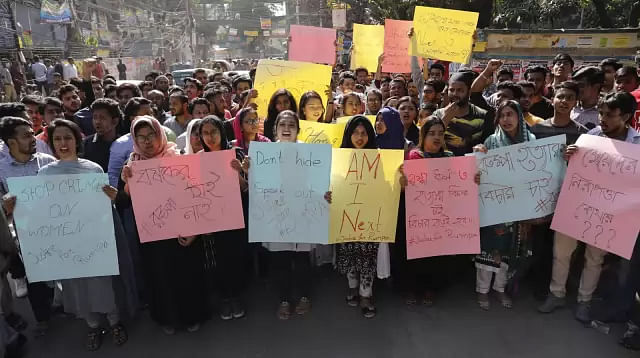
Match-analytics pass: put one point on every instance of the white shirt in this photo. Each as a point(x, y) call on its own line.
point(69, 71)
point(39, 71)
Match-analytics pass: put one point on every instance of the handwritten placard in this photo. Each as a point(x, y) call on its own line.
point(443, 34)
point(396, 46)
point(312, 44)
point(186, 195)
point(600, 197)
point(65, 226)
point(287, 184)
point(345, 119)
point(442, 207)
point(297, 77)
point(368, 44)
point(321, 133)
point(366, 191)
point(521, 181)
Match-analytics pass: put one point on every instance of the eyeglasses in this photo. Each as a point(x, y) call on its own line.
point(148, 138)
point(252, 121)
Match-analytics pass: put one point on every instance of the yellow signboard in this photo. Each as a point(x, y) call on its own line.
point(443, 34)
point(297, 77)
point(321, 133)
point(368, 44)
point(365, 185)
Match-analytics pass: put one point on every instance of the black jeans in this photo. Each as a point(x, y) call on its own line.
point(291, 270)
point(231, 256)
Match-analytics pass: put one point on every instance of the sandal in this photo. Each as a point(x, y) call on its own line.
point(119, 334)
point(505, 300)
point(284, 311)
point(427, 300)
point(94, 339)
point(483, 301)
point(368, 309)
point(304, 306)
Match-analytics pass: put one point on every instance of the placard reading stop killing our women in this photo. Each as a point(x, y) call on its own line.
point(186, 195)
point(521, 181)
point(287, 184)
point(600, 197)
point(65, 226)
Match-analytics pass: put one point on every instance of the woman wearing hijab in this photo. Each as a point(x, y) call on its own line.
point(189, 140)
point(174, 272)
point(500, 244)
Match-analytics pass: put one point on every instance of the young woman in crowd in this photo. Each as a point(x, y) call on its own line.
point(351, 104)
point(231, 246)
point(174, 278)
point(311, 108)
point(281, 100)
point(86, 298)
point(189, 141)
point(500, 244)
point(358, 260)
point(409, 114)
point(245, 129)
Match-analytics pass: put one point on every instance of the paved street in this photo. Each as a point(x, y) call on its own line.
point(455, 327)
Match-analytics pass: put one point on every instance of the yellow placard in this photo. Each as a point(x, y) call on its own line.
point(297, 77)
point(368, 44)
point(321, 133)
point(346, 119)
point(443, 34)
point(251, 33)
point(621, 42)
point(366, 190)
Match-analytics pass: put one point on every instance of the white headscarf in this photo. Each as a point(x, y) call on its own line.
point(188, 149)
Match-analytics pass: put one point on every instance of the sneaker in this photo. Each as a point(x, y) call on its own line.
point(236, 309)
point(193, 328)
point(304, 306)
point(226, 312)
point(582, 312)
point(551, 304)
point(21, 287)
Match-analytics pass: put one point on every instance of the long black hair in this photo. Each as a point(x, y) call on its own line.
point(217, 122)
point(303, 102)
point(272, 112)
point(351, 127)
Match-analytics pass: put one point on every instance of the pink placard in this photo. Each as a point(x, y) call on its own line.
point(600, 197)
point(396, 46)
point(442, 207)
point(186, 195)
point(312, 44)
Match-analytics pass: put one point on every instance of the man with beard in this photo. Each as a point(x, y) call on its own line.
point(466, 125)
point(19, 110)
point(178, 105)
point(158, 100)
point(23, 159)
point(362, 76)
point(106, 116)
point(71, 106)
point(528, 89)
point(162, 84)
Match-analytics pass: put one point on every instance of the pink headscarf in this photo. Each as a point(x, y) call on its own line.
point(238, 133)
point(167, 149)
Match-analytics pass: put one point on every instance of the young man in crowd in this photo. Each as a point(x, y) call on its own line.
point(590, 79)
point(145, 87)
point(71, 104)
point(540, 105)
point(34, 105)
point(106, 116)
point(51, 111)
point(23, 160)
point(465, 124)
point(180, 116)
point(362, 76)
point(528, 90)
point(157, 99)
point(200, 74)
point(198, 108)
point(609, 66)
point(240, 84)
point(627, 80)
point(436, 72)
point(125, 92)
point(192, 88)
point(562, 69)
point(10, 93)
point(397, 88)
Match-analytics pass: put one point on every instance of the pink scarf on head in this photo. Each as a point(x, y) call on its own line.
point(239, 134)
point(167, 149)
